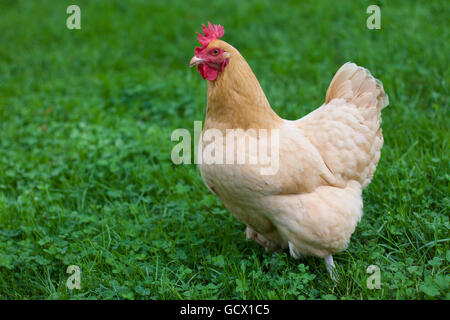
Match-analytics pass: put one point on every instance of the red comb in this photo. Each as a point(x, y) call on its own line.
point(211, 33)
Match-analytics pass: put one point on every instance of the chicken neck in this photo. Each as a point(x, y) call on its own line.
point(236, 99)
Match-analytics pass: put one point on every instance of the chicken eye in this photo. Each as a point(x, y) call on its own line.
point(215, 52)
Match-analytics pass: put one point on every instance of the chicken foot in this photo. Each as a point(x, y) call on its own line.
point(331, 267)
point(269, 245)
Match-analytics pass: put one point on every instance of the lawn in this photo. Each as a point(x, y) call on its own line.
point(86, 176)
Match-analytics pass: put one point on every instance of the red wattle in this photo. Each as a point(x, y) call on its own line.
point(207, 73)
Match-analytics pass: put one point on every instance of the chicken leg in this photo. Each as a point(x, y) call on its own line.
point(269, 245)
point(331, 267)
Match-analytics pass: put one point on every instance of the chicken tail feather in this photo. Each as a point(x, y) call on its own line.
point(357, 85)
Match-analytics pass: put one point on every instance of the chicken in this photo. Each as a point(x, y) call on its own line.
point(312, 203)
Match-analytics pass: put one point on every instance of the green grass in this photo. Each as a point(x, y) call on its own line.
point(85, 172)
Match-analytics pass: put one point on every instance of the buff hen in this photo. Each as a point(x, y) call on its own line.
point(310, 199)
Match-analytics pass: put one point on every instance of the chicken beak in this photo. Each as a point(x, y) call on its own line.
point(195, 61)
